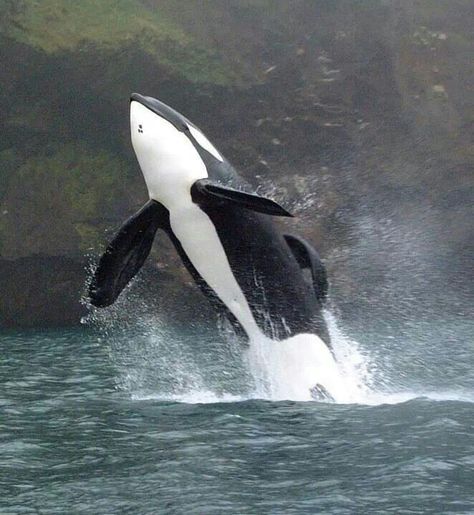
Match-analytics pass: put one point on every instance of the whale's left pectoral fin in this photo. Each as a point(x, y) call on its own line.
point(205, 192)
point(308, 258)
point(126, 253)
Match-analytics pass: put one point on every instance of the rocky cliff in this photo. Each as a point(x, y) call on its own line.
point(357, 115)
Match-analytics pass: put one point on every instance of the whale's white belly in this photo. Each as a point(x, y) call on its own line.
point(199, 239)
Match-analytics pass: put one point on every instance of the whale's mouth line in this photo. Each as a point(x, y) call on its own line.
point(162, 110)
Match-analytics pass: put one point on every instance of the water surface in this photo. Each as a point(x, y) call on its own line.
point(90, 424)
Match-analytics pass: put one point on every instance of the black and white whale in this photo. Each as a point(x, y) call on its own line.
point(266, 282)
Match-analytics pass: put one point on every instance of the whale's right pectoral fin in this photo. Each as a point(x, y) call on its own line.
point(126, 253)
point(308, 258)
point(204, 191)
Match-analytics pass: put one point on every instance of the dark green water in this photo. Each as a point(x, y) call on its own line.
point(89, 425)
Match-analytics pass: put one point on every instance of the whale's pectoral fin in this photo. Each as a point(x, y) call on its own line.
point(307, 257)
point(126, 253)
point(205, 192)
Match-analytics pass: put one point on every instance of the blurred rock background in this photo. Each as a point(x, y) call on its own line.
point(357, 115)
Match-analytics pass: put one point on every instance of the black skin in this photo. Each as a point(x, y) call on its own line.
point(282, 300)
point(268, 265)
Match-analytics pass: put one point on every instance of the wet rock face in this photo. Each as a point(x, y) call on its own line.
point(347, 114)
point(39, 291)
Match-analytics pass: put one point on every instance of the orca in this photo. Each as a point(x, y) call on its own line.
point(264, 280)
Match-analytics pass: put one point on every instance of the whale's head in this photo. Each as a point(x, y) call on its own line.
point(172, 152)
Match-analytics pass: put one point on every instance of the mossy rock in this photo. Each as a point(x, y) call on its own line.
point(69, 25)
point(59, 202)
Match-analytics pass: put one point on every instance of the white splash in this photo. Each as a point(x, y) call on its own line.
point(289, 369)
point(161, 366)
point(167, 366)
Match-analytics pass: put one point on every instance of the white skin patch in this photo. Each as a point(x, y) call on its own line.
point(198, 236)
point(170, 165)
point(168, 159)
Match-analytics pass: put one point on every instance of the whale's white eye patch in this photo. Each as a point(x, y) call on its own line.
point(204, 142)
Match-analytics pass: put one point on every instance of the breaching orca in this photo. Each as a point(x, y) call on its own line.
point(263, 280)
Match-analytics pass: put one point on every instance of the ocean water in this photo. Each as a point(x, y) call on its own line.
point(140, 418)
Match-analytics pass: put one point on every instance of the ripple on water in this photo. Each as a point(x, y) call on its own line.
point(68, 438)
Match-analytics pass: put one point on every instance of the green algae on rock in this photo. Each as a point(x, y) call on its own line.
point(58, 202)
point(108, 24)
